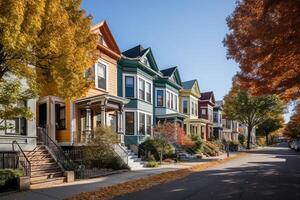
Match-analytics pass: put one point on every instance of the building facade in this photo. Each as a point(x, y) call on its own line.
point(206, 106)
point(166, 97)
point(72, 123)
point(137, 70)
point(189, 98)
point(217, 120)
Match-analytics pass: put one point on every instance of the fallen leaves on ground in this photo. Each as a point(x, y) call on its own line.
point(109, 192)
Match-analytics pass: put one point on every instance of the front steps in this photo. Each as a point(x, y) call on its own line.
point(44, 169)
point(134, 162)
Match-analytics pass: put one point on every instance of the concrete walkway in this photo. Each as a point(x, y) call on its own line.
point(70, 189)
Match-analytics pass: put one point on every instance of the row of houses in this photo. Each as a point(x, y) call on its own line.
point(131, 94)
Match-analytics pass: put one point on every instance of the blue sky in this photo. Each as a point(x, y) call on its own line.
point(187, 34)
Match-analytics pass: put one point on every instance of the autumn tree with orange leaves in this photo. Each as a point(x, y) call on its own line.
point(264, 39)
point(292, 129)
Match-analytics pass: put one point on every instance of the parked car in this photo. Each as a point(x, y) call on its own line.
point(292, 144)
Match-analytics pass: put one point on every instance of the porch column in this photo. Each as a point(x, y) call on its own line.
point(103, 115)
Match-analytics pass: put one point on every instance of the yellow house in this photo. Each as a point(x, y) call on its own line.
point(189, 96)
point(73, 122)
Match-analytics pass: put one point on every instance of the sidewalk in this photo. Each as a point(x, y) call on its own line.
point(70, 189)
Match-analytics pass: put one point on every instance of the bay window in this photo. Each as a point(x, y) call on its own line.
point(185, 106)
point(142, 124)
point(129, 123)
point(129, 86)
point(168, 99)
point(148, 92)
point(160, 98)
point(142, 89)
point(148, 123)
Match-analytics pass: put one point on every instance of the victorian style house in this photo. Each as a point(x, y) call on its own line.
point(137, 70)
point(72, 123)
point(166, 90)
point(189, 99)
point(206, 106)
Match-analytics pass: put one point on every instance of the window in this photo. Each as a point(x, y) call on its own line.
point(216, 117)
point(168, 99)
point(142, 89)
point(141, 124)
point(145, 61)
point(148, 122)
point(203, 111)
point(185, 107)
point(175, 102)
point(129, 86)
point(160, 98)
point(193, 107)
point(60, 112)
point(17, 126)
point(129, 123)
point(148, 92)
point(101, 75)
point(196, 109)
point(172, 101)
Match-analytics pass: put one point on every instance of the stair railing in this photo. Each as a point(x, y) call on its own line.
point(23, 161)
point(121, 152)
point(63, 159)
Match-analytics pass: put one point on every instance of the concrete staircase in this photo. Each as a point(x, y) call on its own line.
point(44, 169)
point(134, 162)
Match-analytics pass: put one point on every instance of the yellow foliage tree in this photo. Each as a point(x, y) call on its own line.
point(49, 43)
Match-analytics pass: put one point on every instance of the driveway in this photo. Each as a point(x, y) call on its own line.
point(267, 173)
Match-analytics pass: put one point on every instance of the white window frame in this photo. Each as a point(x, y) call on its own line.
point(134, 84)
point(138, 122)
point(138, 89)
point(164, 97)
point(106, 75)
point(134, 119)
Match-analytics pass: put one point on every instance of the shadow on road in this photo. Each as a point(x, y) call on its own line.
point(270, 173)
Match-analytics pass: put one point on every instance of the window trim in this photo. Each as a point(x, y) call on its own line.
point(138, 89)
point(138, 122)
point(129, 76)
point(106, 75)
point(134, 125)
point(163, 97)
point(187, 106)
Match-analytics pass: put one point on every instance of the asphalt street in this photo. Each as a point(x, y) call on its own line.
point(267, 173)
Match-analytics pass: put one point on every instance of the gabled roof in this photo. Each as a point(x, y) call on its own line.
point(107, 35)
point(188, 84)
point(138, 52)
point(170, 72)
point(208, 96)
point(135, 52)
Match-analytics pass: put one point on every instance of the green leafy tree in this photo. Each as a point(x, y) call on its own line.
point(250, 110)
point(270, 125)
point(49, 43)
point(12, 98)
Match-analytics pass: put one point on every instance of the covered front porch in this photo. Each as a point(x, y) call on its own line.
point(196, 127)
point(177, 118)
point(101, 110)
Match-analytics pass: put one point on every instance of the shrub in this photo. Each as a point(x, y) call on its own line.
point(198, 144)
point(233, 146)
point(183, 140)
point(151, 147)
point(242, 139)
point(261, 141)
point(8, 177)
point(99, 153)
point(152, 164)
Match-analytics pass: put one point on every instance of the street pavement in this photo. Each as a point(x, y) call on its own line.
point(266, 173)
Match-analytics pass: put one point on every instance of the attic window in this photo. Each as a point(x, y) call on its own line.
point(145, 61)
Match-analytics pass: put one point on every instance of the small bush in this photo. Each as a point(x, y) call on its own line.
point(8, 178)
point(233, 146)
point(242, 139)
point(261, 141)
point(152, 164)
point(151, 147)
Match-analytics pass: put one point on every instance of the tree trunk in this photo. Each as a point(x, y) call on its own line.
point(249, 137)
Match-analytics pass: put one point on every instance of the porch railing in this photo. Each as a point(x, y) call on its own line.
point(8, 159)
point(23, 162)
point(63, 159)
point(82, 137)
